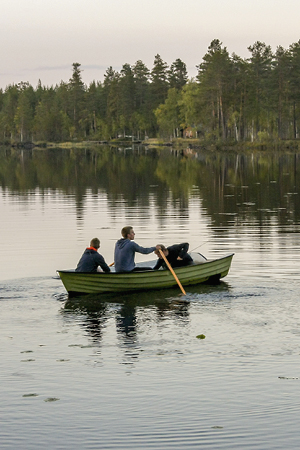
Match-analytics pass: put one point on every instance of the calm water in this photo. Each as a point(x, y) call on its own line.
point(128, 372)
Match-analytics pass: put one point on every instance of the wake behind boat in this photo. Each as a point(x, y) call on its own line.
point(202, 270)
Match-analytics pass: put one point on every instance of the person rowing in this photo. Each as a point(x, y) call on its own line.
point(176, 255)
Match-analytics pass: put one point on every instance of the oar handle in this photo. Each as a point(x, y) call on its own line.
point(111, 264)
point(172, 271)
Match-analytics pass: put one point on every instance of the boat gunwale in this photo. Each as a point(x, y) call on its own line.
point(150, 272)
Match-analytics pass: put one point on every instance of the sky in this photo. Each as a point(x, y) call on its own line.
point(40, 39)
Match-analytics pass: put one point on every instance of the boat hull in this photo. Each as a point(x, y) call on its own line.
point(77, 283)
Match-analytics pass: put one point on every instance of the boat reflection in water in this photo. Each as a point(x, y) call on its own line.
point(136, 313)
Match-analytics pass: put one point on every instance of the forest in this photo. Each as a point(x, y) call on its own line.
point(255, 99)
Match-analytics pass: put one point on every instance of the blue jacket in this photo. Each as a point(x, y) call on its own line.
point(90, 260)
point(125, 250)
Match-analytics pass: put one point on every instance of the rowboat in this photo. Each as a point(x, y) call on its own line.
point(202, 270)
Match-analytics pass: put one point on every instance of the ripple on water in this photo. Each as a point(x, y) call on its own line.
point(141, 376)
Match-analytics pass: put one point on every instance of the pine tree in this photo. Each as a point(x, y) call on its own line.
point(76, 97)
point(260, 67)
point(215, 79)
point(143, 116)
point(10, 103)
point(159, 82)
point(25, 111)
point(113, 106)
point(127, 94)
point(281, 89)
point(177, 74)
point(295, 85)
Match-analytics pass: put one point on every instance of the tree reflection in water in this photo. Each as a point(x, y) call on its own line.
point(232, 187)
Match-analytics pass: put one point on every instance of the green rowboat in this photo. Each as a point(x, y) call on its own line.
point(77, 283)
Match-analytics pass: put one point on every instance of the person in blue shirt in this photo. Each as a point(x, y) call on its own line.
point(125, 250)
point(91, 259)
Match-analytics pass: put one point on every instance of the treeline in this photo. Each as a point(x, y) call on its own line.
point(231, 99)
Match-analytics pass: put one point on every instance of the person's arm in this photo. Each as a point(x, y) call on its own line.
point(143, 250)
point(179, 249)
point(183, 249)
point(101, 262)
point(158, 264)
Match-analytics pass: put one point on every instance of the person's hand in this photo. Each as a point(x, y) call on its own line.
point(156, 251)
point(178, 258)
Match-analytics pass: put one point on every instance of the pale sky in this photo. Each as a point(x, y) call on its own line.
point(40, 39)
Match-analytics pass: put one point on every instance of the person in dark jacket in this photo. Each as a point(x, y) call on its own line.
point(91, 259)
point(125, 250)
point(176, 255)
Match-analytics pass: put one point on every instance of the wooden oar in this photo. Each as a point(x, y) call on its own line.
point(172, 271)
point(111, 264)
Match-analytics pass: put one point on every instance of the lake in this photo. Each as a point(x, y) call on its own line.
point(128, 371)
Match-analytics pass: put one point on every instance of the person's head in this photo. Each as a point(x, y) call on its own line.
point(163, 248)
point(128, 233)
point(95, 243)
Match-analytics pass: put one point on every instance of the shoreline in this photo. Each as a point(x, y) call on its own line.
point(178, 144)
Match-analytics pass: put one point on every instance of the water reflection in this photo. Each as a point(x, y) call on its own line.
point(93, 311)
point(126, 320)
point(243, 203)
point(135, 314)
point(233, 188)
point(247, 204)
